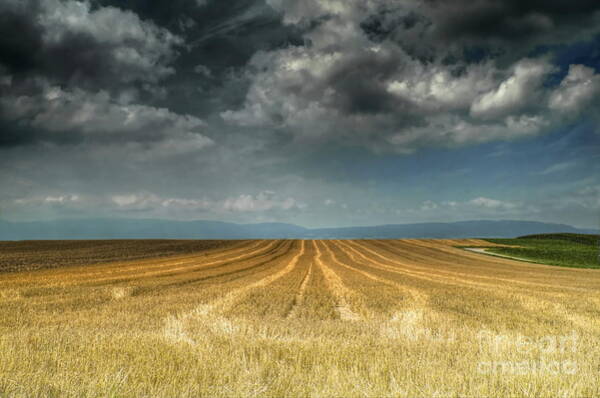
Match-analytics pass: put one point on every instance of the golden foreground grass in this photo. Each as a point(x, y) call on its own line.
point(414, 318)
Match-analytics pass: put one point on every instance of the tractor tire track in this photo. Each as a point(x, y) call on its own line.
point(299, 298)
point(337, 288)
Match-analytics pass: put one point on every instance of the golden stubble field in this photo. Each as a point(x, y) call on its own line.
point(376, 318)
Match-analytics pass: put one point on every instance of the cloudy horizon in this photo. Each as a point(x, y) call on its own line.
point(321, 113)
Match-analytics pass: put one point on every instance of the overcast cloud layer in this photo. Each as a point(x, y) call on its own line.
point(319, 112)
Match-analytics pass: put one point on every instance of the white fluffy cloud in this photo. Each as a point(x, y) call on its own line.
point(435, 88)
point(494, 204)
point(265, 201)
point(456, 131)
point(578, 89)
point(150, 201)
point(58, 200)
point(479, 206)
point(519, 91)
point(241, 207)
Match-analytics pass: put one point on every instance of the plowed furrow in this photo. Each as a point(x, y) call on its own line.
point(419, 297)
point(458, 259)
point(430, 271)
point(532, 301)
point(170, 269)
point(146, 268)
point(192, 278)
point(118, 266)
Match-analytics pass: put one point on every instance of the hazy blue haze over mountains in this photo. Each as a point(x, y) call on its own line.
point(150, 229)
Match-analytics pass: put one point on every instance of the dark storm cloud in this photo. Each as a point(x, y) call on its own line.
point(199, 105)
point(140, 55)
point(382, 24)
point(360, 93)
point(78, 73)
point(514, 21)
point(473, 30)
point(15, 134)
point(20, 40)
point(71, 44)
point(220, 39)
point(382, 70)
point(421, 73)
point(218, 34)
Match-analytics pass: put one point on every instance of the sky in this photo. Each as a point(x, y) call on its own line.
point(321, 113)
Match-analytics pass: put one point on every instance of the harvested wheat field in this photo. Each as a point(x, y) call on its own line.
point(376, 318)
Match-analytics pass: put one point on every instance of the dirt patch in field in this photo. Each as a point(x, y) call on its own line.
point(484, 251)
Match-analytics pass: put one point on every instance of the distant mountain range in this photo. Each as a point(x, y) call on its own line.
point(168, 229)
